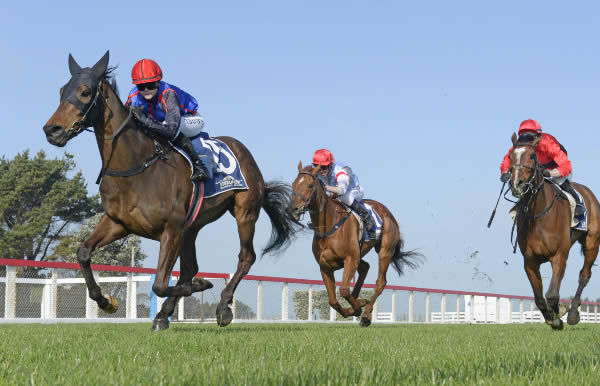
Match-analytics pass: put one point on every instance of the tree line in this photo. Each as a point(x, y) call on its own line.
point(46, 212)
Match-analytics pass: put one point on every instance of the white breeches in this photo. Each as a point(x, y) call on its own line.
point(352, 195)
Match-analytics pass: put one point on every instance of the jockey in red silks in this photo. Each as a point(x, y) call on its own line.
point(340, 180)
point(159, 107)
point(552, 157)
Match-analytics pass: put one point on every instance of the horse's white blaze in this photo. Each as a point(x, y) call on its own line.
point(301, 179)
point(518, 154)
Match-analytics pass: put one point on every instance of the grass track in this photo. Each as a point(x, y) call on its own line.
point(299, 354)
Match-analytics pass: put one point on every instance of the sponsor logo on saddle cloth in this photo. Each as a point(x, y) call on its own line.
point(578, 223)
point(376, 220)
point(223, 166)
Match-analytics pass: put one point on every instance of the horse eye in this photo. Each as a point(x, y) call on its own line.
point(86, 93)
point(532, 156)
point(311, 186)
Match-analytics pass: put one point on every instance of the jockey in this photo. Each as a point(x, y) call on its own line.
point(552, 157)
point(159, 107)
point(340, 180)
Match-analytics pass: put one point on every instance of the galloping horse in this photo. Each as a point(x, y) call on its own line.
point(151, 196)
point(544, 232)
point(338, 244)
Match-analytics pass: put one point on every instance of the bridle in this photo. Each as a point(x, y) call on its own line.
point(532, 188)
point(306, 201)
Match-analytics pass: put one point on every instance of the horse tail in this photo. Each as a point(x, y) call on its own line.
point(284, 226)
point(400, 259)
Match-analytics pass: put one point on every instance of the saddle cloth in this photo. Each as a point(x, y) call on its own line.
point(578, 223)
point(223, 166)
point(376, 220)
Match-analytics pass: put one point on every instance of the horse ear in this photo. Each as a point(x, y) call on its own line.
point(74, 68)
point(100, 68)
point(316, 170)
point(514, 138)
point(300, 166)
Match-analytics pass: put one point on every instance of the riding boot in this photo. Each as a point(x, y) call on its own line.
point(567, 187)
point(364, 215)
point(200, 172)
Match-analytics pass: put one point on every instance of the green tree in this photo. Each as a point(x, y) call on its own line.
point(116, 253)
point(38, 204)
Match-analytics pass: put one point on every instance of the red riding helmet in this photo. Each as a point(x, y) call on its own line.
point(145, 71)
point(323, 157)
point(530, 125)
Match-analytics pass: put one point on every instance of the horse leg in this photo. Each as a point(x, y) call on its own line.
point(535, 279)
point(385, 257)
point(189, 268)
point(350, 265)
point(363, 269)
point(329, 281)
point(170, 245)
point(590, 254)
point(105, 233)
point(246, 220)
point(559, 264)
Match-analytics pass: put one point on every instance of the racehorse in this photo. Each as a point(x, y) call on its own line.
point(337, 243)
point(544, 231)
point(148, 193)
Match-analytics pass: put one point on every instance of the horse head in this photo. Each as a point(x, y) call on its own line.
point(304, 187)
point(78, 108)
point(526, 172)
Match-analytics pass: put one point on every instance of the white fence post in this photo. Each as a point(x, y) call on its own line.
point(394, 305)
point(521, 310)
point(259, 300)
point(457, 308)
point(485, 319)
point(133, 299)
point(443, 308)
point(53, 293)
point(427, 308)
point(10, 293)
point(375, 310)
point(472, 308)
point(310, 302)
point(497, 310)
point(595, 313)
point(411, 306)
point(332, 314)
point(284, 302)
point(531, 310)
point(91, 307)
point(128, 304)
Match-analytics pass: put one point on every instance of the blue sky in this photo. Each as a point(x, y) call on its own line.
point(420, 98)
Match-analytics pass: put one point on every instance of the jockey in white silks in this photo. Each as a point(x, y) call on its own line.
point(340, 180)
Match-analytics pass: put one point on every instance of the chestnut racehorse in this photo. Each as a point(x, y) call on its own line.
point(544, 230)
point(336, 243)
point(152, 195)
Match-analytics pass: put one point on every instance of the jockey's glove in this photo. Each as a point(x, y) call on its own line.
point(140, 116)
point(505, 177)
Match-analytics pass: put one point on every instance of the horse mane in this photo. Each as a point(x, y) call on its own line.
point(526, 138)
point(109, 77)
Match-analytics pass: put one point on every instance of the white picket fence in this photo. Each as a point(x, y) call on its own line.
point(31, 291)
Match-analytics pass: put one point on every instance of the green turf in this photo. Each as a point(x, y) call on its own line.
point(299, 354)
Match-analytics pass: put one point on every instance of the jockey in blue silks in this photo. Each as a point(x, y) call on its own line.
point(159, 107)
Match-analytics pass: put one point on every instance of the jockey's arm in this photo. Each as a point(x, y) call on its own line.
point(170, 126)
point(564, 167)
point(505, 165)
point(343, 181)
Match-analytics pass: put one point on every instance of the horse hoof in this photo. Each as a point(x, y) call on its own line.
point(112, 306)
point(365, 322)
point(199, 284)
point(557, 324)
point(562, 310)
point(160, 324)
point(224, 315)
point(573, 317)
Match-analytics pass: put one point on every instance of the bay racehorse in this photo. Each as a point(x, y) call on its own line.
point(151, 196)
point(337, 243)
point(544, 230)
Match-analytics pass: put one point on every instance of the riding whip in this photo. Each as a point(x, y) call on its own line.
point(494, 211)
